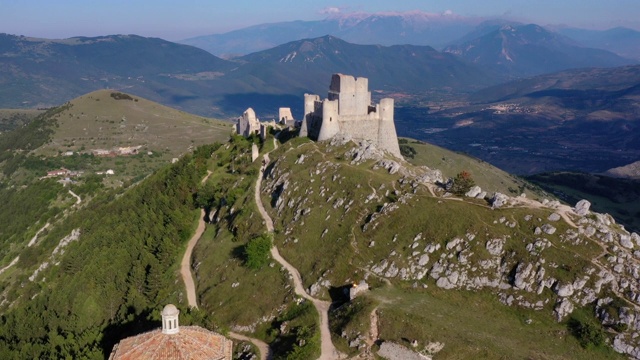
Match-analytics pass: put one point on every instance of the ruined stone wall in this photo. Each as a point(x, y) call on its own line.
point(248, 124)
point(312, 119)
point(352, 94)
point(284, 115)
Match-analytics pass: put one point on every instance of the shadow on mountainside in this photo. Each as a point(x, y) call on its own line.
point(265, 105)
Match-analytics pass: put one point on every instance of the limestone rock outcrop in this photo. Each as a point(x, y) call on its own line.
point(582, 207)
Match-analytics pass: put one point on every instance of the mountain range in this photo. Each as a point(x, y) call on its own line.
point(622, 41)
point(393, 28)
point(415, 28)
point(40, 73)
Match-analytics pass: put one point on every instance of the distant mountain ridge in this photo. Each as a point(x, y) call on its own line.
point(398, 28)
point(400, 68)
point(42, 72)
point(620, 40)
point(413, 27)
point(526, 50)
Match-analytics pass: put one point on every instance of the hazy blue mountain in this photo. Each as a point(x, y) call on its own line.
point(46, 72)
point(622, 41)
point(526, 50)
point(398, 68)
point(417, 28)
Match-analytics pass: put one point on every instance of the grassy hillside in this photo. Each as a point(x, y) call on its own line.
point(106, 121)
point(488, 177)
point(101, 271)
point(440, 268)
point(12, 118)
point(369, 224)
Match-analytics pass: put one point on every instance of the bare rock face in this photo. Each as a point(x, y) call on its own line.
point(582, 207)
point(548, 229)
point(365, 151)
point(431, 176)
point(494, 246)
point(565, 290)
point(625, 240)
point(392, 166)
point(562, 309)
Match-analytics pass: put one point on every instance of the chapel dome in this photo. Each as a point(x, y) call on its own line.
point(170, 310)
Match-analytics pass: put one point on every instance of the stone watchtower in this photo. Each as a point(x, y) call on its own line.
point(348, 110)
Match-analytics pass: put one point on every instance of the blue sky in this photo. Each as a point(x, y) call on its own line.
point(175, 20)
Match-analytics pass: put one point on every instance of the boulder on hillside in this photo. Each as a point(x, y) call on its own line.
point(499, 200)
point(393, 351)
point(582, 207)
point(473, 192)
point(432, 176)
point(563, 308)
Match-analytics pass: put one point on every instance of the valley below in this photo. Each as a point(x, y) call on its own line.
point(525, 144)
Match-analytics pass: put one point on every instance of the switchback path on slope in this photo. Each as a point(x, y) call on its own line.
point(187, 278)
point(327, 349)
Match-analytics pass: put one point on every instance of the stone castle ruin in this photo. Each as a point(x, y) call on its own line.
point(348, 111)
point(249, 124)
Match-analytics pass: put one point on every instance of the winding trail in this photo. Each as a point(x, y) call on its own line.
point(265, 351)
point(185, 265)
point(327, 349)
point(78, 199)
point(187, 278)
point(373, 331)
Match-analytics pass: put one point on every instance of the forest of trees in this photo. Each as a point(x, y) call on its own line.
point(111, 283)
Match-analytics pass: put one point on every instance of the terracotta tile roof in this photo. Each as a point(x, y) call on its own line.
point(191, 343)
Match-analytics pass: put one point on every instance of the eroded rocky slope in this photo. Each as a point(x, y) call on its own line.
point(345, 212)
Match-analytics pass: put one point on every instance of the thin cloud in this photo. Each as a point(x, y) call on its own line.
point(331, 10)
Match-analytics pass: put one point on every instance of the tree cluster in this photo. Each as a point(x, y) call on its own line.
point(112, 282)
point(462, 183)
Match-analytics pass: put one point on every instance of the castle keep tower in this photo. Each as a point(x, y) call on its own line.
point(348, 111)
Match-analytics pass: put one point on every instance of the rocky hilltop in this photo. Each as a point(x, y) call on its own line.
point(391, 223)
